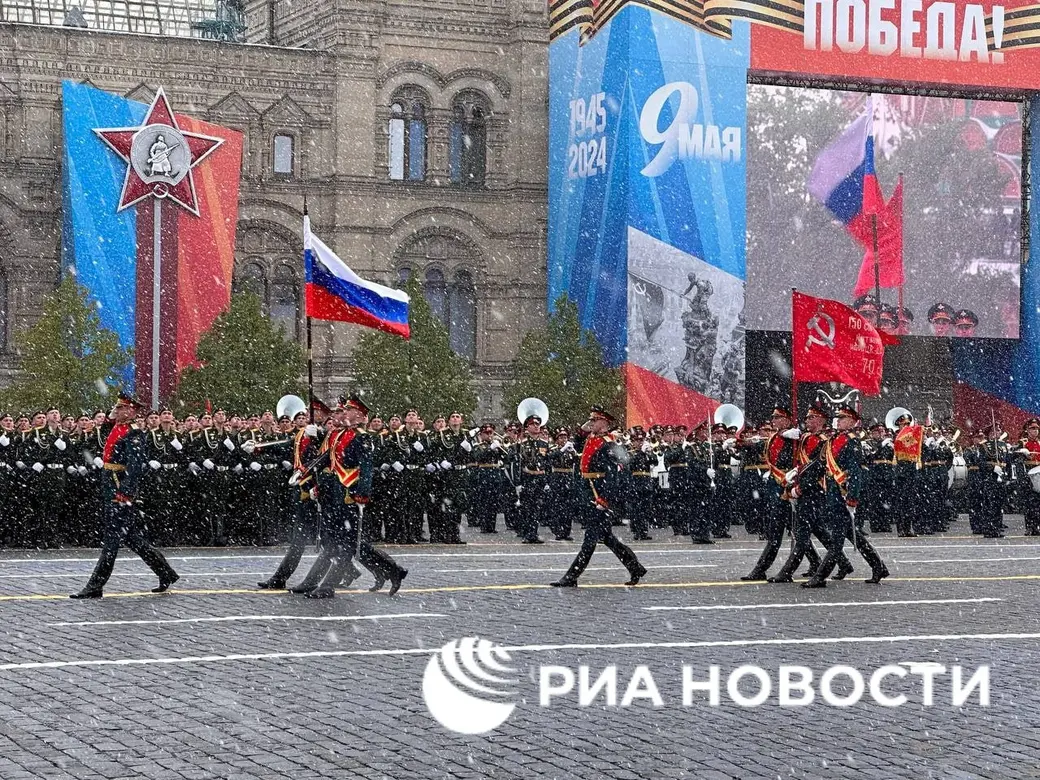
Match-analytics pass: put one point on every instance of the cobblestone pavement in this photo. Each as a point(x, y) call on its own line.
point(218, 680)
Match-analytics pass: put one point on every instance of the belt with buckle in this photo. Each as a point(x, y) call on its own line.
point(756, 468)
point(222, 468)
point(641, 474)
point(534, 473)
point(593, 474)
point(489, 465)
point(563, 471)
point(114, 467)
point(677, 466)
point(168, 466)
point(411, 467)
point(461, 468)
point(268, 466)
point(54, 466)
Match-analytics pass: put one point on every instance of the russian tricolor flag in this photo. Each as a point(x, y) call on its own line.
point(844, 180)
point(334, 292)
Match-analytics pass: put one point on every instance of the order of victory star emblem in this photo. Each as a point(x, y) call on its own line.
point(160, 157)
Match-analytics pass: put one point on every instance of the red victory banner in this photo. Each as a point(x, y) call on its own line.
point(832, 343)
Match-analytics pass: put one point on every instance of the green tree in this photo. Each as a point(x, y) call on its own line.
point(423, 372)
point(563, 365)
point(246, 362)
point(68, 359)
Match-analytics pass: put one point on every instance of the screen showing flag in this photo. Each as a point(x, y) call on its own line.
point(934, 184)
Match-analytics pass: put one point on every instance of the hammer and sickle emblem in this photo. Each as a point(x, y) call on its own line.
point(821, 329)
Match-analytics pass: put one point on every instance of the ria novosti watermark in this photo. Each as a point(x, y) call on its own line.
point(470, 687)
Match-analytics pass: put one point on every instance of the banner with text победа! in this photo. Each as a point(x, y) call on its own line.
point(984, 44)
point(646, 235)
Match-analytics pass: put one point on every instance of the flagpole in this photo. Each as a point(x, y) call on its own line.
point(156, 297)
point(310, 348)
point(794, 379)
point(877, 267)
point(902, 271)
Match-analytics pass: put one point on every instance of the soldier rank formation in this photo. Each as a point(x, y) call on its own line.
point(346, 480)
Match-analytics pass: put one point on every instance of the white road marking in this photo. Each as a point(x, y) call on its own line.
point(234, 618)
point(721, 607)
point(590, 568)
point(970, 560)
point(855, 640)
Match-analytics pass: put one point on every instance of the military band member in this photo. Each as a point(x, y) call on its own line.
point(447, 481)
point(602, 493)
point(678, 499)
point(123, 524)
point(414, 490)
point(993, 459)
point(563, 461)
point(532, 453)
point(875, 502)
point(843, 478)
point(486, 478)
point(641, 484)
point(906, 488)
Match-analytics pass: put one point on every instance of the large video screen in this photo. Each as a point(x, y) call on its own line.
point(937, 179)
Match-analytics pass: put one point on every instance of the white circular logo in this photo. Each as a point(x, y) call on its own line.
point(464, 687)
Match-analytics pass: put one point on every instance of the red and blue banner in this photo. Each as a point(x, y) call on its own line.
point(336, 293)
point(110, 250)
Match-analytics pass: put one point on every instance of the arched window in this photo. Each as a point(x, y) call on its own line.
point(436, 294)
point(284, 155)
point(285, 300)
point(407, 132)
point(404, 275)
point(467, 152)
point(251, 279)
point(462, 316)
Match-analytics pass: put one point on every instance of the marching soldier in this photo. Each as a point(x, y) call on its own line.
point(843, 478)
point(781, 450)
point(1029, 451)
point(123, 523)
point(601, 496)
point(807, 485)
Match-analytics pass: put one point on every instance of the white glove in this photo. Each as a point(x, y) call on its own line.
point(4, 441)
point(209, 464)
point(886, 442)
point(546, 489)
point(792, 433)
point(82, 470)
point(398, 467)
point(286, 465)
point(791, 476)
point(647, 447)
point(766, 476)
point(313, 493)
point(930, 441)
point(176, 444)
point(20, 464)
point(238, 469)
point(255, 466)
point(445, 465)
point(249, 445)
point(71, 469)
point(60, 444)
point(37, 467)
point(98, 463)
point(295, 478)
point(465, 445)
point(729, 444)
point(568, 447)
point(385, 467)
point(430, 467)
point(194, 468)
point(229, 444)
point(156, 465)
point(796, 492)
point(311, 431)
point(998, 471)
point(711, 473)
point(417, 446)
point(495, 445)
point(1022, 451)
